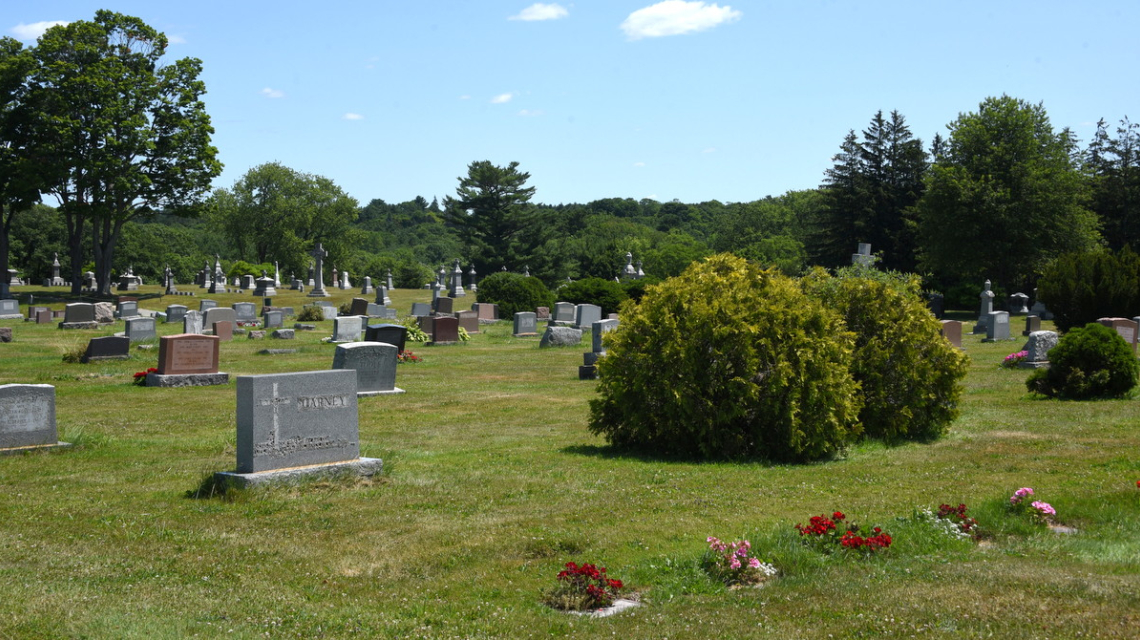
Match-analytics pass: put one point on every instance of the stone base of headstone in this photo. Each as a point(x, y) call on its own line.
point(79, 325)
point(276, 352)
point(561, 337)
point(588, 372)
point(305, 327)
point(283, 334)
point(187, 379)
point(12, 316)
point(256, 335)
point(388, 392)
point(1025, 364)
point(87, 359)
point(590, 358)
point(366, 467)
point(524, 335)
point(39, 447)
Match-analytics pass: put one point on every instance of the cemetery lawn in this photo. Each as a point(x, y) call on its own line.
point(492, 483)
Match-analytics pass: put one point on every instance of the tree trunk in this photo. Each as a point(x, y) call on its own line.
point(75, 224)
point(105, 234)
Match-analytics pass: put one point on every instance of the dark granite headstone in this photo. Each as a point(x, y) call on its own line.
point(394, 334)
point(445, 329)
point(108, 348)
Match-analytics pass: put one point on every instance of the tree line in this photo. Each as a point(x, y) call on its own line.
point(999, 197)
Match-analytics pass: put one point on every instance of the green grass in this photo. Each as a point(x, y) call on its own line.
point(492, 483)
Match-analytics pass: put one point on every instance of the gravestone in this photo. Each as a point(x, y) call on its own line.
point(32, 311)
point(1123, 327)
point(997, 327)
point(5, 334)
point(206, 305)
point(1037, 349)
point(187, 360)
point(283, 334)
point(140, 329)
point(192, 322)
point(107, 348)
point(127, 309)
point(445, 330)
point(862, 256)
point(359, 307)
point(375, 365)
point(487, 311)
point(223, 329)
point(986, 308)
point(1032, 323)
point(469, 320)
point(382, 295)
point(290, 420)
point(219, 314)
point(367, 287)
point(525, 324)
point(27, 417)
point(420, 309)
point(455, 287)
point(1018, 304)
point(936, 302)
point(10, 310)
point(444, 305)
point(542, 313)
point(45, 316)
point(426, 324)
point(245, 312)
point(589, 370)
point(952, 331)
point(347, 328)
point(175, 313)
point(373, 310)
point(585, 315)
point(246, 282)
point(564, 313)
point(393, 334)
point(556, 336)
point(79, 315)
point(274, 319)
point(317, 282)
point(104, 313)
point(265, 286)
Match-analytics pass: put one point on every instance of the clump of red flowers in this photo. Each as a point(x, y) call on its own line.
point(826, 533)
point(958, 516)
point(140, 377)
point(407, 356)
point(583, 587)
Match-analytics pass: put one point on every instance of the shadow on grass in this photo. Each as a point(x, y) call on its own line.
point(614, 452)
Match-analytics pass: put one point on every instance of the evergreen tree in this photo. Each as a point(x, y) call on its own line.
point(495, 219)
point(1113, 165)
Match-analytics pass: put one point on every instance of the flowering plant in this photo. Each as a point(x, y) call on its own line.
point(824, 534)
point(407, 356)
point(140, 377)
point(957, 515)
point(1012, 360)
point(581, 588)
point(732, 564)
point(1038, 511)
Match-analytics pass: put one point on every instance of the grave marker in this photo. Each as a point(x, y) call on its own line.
point(107, 348)
point(27, 417)
point(140, 329)
point(997, 327)
point(347, 328)
point(445, 330)
point(393, 334)
point(375, 366)
point(525, 324)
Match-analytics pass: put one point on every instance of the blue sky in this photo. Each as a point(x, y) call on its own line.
point(668, 100)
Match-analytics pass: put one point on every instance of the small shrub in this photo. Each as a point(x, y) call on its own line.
point(727, 361)
point(415, 333)
point(1089, 362)
point(1078, 288)
point(74, 354)
point(606, 294)
point(910, 377)
point(514, 292)
point(344, 309)
point(310, 313)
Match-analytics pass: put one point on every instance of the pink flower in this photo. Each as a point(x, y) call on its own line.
point(1044, 507)
point(735, 564)
point(754, 563)
point(1020, 494)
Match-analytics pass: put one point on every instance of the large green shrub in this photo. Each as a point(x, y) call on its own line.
point(1089, 362)
point(607, 294)
point(910, 376)
point(727, 361)
point(635, 289)
point(1078, 288)
point(514, 292)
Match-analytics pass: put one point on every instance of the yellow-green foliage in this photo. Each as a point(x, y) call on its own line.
point(728, 361)
point(910, 376)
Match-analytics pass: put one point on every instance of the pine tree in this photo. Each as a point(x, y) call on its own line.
point(1113, 165)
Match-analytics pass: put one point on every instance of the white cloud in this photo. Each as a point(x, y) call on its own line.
point(272, 93)
point(539, 11)
point(639, 164)
point(31, 32)
point(530, 112)
point(352, 116)
point(502, 98)
point(176, 39)
point(465, 97)
point(710, 150)
point(676, 17)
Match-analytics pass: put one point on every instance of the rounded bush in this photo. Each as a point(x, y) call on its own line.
point(1078, 288)
point(910, 377)
point(1089, 362)
point(607, 294)
point(514, 292)
point(727, 361)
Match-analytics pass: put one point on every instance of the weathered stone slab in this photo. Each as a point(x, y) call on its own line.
point(374, 363)
point(10, 310)
point(421, 309)
point(175, 313)
point(444, 305)
point(469, 321)
point(585, 315)
point(45, 316)
point(274, 319)
point(561, 337)
point(224, 330)
point(526, 324)
point(952, 331)
point(359, 307)
point(187, 379)
point(296, 419)
point(997, 328)
point(256, 335)
point(219, 314)
point(283, 334)
point(564, 312)
point(598, 329)
point(1037, 348)
point(104, 312)
point(140, 329)
point(27, 417)
point(77, 312)
point(5, 334)
point(192, 322)
point(542, 313)
point(206, 305)
point(1123, 327)
point(1032, 323)
point(107, 348)
point(486, 310)
point(393, 334)
point(347, 328)
point(127, 309)
point(276, 352)
point(245, 312)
